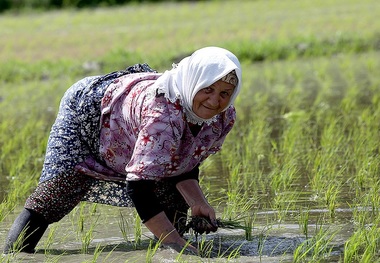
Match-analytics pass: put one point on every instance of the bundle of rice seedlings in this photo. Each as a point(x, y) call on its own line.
point(201, 225)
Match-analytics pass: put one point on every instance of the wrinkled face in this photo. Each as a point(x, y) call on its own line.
point(210, 101)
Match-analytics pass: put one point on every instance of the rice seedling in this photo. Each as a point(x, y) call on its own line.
point(248, 227)
point(97, 253)
point(283, 202)
point(330, 197)
point(109, 254)
point(303, 221)
point(50, 237)
point(261, 243)
point(87, 237)
point(5, 207)
point(152, 249)
point(363, 245)
point(234, 254)
point(124, 227)
point(240, 202)
point(85, 217)
point(206, 248)
point(138, 230)
point(316, 248)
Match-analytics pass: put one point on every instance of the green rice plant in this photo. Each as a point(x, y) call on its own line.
point(282, 180)
point(124, 226)
point(234, 254)
point(196, 224)
point(360, 216)
point(242, 206)
point(303, 221)
point(248, 227)
point(109, 254)
point(365, 148)
point(81, 218)
point(365, 210)
point(93, 209)
point(138, 230)
point(152, 249)
point(206, 248)
point(50, 237)
point(239, 200)
point(87, 237)
point(316, 248)
point(282, 203)
point(5, 207)
point(260, 245)
point(97, 253)
point(330, 196)
point(16, 247)
point(272, 42)
point(363, 245)
point(212, 249)
point(374, 198)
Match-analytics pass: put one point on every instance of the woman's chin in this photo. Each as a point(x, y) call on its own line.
point(206, 116)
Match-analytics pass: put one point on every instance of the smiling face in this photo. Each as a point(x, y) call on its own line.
point(212, 100)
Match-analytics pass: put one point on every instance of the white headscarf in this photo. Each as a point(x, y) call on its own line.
point(198, 71)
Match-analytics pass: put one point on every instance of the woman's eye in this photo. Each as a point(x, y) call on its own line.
point(225, 94)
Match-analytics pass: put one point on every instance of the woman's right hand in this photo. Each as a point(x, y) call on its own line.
point(181, 246)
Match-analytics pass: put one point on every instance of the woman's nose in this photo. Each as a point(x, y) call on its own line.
point(213, 99)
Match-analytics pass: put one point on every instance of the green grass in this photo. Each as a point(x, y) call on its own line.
point(307, 134)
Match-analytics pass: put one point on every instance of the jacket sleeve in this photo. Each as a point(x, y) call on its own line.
point(145, 200)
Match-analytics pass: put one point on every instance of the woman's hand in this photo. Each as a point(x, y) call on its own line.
point(164, 230)
point(191, 191)
point(205, 210)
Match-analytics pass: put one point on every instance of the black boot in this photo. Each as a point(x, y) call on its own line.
point(25, 232)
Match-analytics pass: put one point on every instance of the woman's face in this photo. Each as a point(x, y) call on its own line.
point(210, 101)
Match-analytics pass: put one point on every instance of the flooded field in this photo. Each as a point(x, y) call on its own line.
point(299, 172)
point(275, 235)
point(269, 243)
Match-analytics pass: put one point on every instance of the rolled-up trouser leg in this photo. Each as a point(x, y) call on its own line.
point(50, 202)
point(175, 206)
point(152, 197)
point(26, 231)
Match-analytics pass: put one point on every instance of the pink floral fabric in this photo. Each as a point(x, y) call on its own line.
point(145, 136)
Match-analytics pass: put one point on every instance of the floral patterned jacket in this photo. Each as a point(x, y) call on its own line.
point(145, 136)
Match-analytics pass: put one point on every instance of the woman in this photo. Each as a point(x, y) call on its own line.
point(136, 138)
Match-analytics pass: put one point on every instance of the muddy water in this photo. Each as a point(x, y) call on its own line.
point(272, 240)
point(269, 243)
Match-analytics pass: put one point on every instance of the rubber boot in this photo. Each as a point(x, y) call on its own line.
point(26, 231)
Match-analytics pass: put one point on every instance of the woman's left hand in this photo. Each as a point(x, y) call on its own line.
point(195, 198)
point(207, 211)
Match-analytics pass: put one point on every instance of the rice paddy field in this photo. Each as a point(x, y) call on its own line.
point(298, 177)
